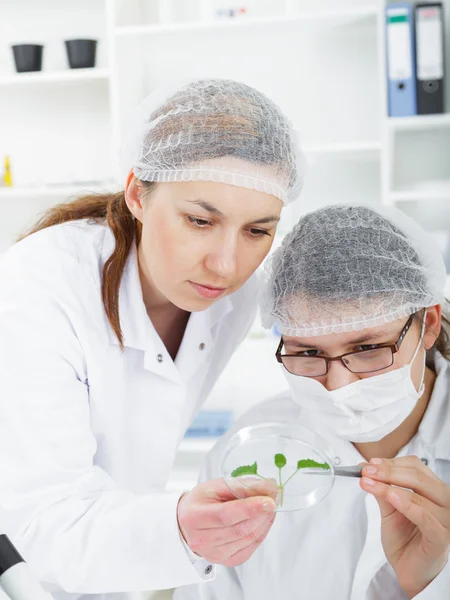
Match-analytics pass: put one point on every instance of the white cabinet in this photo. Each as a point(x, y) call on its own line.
point(55, 125)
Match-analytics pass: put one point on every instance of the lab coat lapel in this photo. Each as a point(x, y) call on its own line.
point(199, 338)
point(434, 429)
point(137, 328)
point(139, 333)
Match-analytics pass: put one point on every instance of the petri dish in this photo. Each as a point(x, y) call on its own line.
point(288, 462)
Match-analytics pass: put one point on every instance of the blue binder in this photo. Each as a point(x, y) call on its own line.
point(210, 423)
point(401, 67)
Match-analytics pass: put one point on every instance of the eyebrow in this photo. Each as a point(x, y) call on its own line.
point(360, 340)
point(215, 211)
point(373, 336)
point(207, 206)
point(271, 219)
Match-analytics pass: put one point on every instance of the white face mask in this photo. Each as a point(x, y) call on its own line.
point(364, 411)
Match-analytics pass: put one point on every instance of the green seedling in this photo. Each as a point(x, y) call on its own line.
point(246, 470)
point(280, 462)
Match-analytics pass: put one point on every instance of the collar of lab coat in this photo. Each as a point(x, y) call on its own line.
point(139, 333)
point(434, 429)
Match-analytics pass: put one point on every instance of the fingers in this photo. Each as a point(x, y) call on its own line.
point(245, 487)
point(215, 490)
point(235, 552)
point(415, 508)
point(409, 472)
point(374, 488)
point(218, 491)
point(216, 529)
point(242, 550)
point(213, 505)
point(231, 513)
point(225, 535)
point(248, 487)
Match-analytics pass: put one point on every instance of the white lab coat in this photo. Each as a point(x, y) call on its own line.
point(88, 433)
point(332, 550)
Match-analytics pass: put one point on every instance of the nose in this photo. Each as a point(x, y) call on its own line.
point(338, 376)
point(222, 260)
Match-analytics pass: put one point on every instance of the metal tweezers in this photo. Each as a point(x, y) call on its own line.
point(350, 471)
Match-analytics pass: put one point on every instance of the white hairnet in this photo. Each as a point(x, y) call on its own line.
point(215, 130)
point(345, 268)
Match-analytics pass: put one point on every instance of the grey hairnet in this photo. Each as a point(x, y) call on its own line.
point(345, 268)
point(215, 130)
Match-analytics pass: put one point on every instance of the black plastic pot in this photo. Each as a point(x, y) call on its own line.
point(27, 57)
point(81, 53)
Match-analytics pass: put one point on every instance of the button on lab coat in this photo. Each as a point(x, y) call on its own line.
point(88, 433)
point(332, 550)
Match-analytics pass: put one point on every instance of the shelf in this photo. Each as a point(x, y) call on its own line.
point(192, 445)
point(57, 191)
point(420, 122)
point(335, 17)
point(67, 76)
point(420, 195)
point(343, 148)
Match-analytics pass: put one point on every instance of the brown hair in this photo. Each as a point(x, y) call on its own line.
point(111, 209)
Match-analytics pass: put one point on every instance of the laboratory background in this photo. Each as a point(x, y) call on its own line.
point(344, 71)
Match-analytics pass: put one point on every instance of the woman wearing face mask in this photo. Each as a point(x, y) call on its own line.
point(359, 298)
point(117, 315)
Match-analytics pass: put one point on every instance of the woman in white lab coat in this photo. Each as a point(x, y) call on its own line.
point(117, 315)
point(358, 295)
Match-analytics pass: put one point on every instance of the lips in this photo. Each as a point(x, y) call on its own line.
point(207, 291)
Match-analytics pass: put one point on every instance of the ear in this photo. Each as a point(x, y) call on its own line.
point(132, 196)
point(432, 326)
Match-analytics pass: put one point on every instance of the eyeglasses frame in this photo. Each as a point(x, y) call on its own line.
point(393, 347)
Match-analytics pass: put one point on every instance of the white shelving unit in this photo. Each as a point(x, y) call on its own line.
point(52, 77)
point(348, 148)
point(422, 122)
point(424, 195)
point(416, 170)
point(325, 67)
point(58, 191)
point(315, 18)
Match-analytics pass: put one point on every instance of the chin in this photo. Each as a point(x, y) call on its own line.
point(193, 304)
point(190, 304)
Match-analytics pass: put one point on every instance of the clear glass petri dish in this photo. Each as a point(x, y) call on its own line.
point(288, 462)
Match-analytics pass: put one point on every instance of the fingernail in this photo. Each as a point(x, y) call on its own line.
point(368, 481)
point(268, 507)
point(376, 461)
point(370, 470)
point(278, 499)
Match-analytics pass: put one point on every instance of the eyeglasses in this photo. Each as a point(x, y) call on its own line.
point(377, 358)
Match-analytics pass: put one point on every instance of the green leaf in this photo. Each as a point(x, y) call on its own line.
point(308, 463)
point(280, 460)
point(246, 470)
